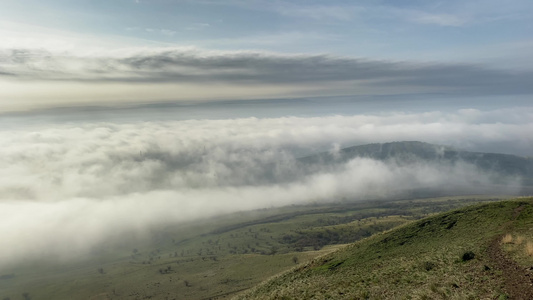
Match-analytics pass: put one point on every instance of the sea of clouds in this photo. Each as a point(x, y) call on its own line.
point(66, 188)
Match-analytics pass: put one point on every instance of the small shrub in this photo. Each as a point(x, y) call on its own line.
point(455, 286)
point(295, 259)
point(428, 266)
point(469, 255)
point(519, 240)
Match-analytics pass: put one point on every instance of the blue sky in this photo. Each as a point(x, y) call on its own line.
point(350, 28)
point(62, 52)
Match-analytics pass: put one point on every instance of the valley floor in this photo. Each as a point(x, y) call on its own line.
point(223, 257)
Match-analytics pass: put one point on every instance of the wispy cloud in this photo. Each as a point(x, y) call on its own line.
point(436, 18)
point(269, 40)
point(197, 26)
point(197, 66)
point(321, 12)
point(161, 31)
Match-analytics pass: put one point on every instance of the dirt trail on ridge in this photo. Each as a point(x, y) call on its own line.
point(518, 280)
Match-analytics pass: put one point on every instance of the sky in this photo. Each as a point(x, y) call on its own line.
point(176, 110)
point(78, 53)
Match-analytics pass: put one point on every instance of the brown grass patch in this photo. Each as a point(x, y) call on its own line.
point(507, 239)
point(529, 248)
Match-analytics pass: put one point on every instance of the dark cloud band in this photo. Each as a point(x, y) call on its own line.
point(238, 68)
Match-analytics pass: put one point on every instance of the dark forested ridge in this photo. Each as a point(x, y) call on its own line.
point(414, 151)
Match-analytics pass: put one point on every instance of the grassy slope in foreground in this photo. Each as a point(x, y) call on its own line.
point(421, 260)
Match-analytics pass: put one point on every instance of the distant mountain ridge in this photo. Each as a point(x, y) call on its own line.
point(412, 151)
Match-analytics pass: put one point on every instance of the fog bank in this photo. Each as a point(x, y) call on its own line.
point(65, 189)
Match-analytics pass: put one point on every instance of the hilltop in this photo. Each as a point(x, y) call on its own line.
point(490, 173)
point(479, 252)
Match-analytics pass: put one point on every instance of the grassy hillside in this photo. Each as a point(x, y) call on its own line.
point(215, 258)
point(480, 252)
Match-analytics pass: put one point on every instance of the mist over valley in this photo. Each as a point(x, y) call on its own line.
point(69, 188)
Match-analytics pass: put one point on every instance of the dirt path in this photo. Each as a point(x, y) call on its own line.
point(518, 280)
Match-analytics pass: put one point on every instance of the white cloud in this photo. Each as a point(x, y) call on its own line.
point(197, 26)
point(437, 19)
point(67, 185)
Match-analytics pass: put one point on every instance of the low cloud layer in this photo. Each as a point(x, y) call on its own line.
point(75, 186)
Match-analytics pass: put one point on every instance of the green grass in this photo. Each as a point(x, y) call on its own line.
point(219, 257)
point(420, 260)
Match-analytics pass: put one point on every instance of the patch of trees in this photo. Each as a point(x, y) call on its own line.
point(166, 270)
point(338, 220)
point(7, 276)
point(319, 237)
